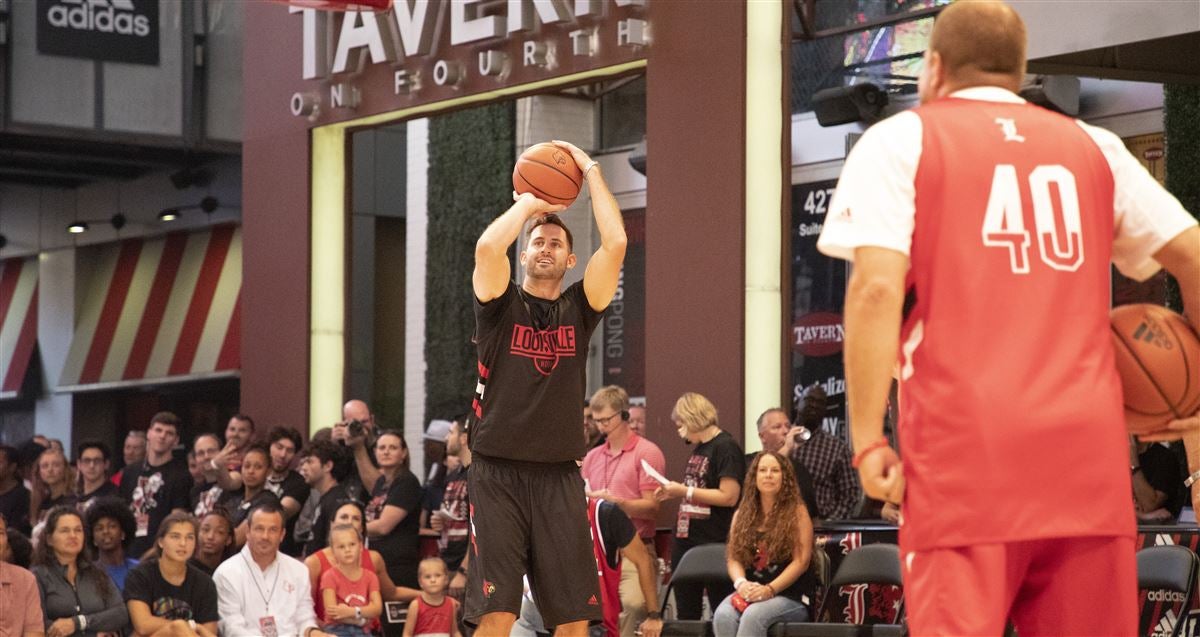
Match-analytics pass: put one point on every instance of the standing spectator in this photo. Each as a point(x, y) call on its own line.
point(349, 592)
point(93, 460)
point(318, 461)
point(133, 451)
point(778, 435)
point(637, 419)
point(239, 434)
point(158, 485)
point(357, 411)
point(433, 442)
point(51, 485)
point(195, 469)
point(205, 495)
point(710, 490)
point(111, 526)
point(261, 591)
point(165, 595)
point(769, 549)
point(77, 595)
point(255, 463)
point(392, 513)
point(828, 461)
point(451, 518)
point(285, 483)
point(20, 604)
point(615, 474)
point(432, 613)
point(14, 497)
point(215, 542)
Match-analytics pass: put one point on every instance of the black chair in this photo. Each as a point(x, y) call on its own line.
point(702, 565)
point(1173, 568)
point(869, 564)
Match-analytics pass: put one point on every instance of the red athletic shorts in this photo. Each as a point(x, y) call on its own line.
point(1085, 587)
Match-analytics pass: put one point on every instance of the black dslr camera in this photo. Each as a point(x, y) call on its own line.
point(354, 429)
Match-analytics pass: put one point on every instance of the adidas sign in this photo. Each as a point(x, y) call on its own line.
point(104, 16)
point(1165, 596)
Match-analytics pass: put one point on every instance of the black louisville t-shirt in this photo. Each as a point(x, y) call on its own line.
point(532, 365)
point(195, 599)
point(718, 458)
point(152, 493)
point(454, 510)
point(401, 547)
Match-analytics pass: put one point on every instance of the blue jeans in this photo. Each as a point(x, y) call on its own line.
point(759, 616)
point(344, 630)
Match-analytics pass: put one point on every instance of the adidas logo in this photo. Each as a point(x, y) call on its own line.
point(1166, 625)
point(105, 16)
point(1165, 596)
point(592, 601)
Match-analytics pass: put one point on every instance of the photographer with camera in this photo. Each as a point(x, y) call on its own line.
point(357, 431)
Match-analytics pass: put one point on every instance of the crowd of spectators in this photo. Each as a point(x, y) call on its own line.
point(254, 535)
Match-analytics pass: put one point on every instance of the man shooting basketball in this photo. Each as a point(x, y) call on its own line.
point(528, 513)
point(999, 219)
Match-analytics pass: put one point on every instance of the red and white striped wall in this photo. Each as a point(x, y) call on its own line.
point(159, 310)
point(18, 321)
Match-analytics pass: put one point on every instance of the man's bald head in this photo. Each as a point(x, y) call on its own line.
point(357, 410)
point(980, 43)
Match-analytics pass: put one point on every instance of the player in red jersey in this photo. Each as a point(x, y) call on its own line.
point(998, 220)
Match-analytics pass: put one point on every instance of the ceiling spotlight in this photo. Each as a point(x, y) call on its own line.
point(209, 204)
point(78, 227)
point(3, 241)
point(169, 214)
point(118, 221)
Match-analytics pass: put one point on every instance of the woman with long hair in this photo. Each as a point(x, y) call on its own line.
point(351, 512)
point(77, 596)
point(215, 542)
point(166, 596)
point(710, 489)
point(53, 484)
point(394, 510)
point(111, 526)
point(768, 553)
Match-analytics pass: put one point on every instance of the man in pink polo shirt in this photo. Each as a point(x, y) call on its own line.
point(613, 471)
point(20, 603)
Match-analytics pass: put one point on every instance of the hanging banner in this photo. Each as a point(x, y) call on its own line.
point(625, 321)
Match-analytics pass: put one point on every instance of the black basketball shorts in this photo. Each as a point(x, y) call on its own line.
point(530, 518)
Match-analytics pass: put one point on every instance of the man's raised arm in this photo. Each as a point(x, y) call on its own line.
point(492, 271)
point(604, 268)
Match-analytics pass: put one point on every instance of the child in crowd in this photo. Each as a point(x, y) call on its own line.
point(432, 614)
point(350, 593)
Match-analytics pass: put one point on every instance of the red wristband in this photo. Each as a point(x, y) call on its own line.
point(858, 457)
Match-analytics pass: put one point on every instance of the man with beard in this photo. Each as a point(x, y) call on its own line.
point(450, 520)
point(285, 483)
point(532, 344)
point(239, 432)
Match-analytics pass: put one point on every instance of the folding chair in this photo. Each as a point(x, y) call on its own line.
point(1173, 568)
point(704, 564)
point(869, 564)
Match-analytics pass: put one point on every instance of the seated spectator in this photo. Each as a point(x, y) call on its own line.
point(20, 604)
point(256, 461)
point(828, 461)
point(1158, 491)
point(769, 549)
point(205, 493)
point(710, 489)
point(77, 595)
point(261, 591)
point(14, 497)
point(111, 527)
point(52, 485)
point(349, 591)
point(351, 512)
point(93, 460)
point(432, 613)
point(133, 451)
point(394, 509)
point(167, 597)
point(19, 551)
point(637, 419)
point(215, 544)
point(778, 435)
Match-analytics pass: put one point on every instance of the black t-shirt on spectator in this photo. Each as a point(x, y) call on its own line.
point(1162, 472)
point(616, 530)
point(532, 368)
point(718, 458)
point(152, 493)
point(106, 489)
point(238, 506)
point(195, 599)
point(204, 497)
point(399, 548)
point(455, 501)
point(14, 505)
point(292, 486)
point(326, 509)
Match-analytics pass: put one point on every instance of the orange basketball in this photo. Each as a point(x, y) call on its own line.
point(1158, 358)
point(549, 173)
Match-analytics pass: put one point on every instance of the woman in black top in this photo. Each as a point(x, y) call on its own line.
point(256, 464)
point(770, 546)
point(394, 510)
point(167, 596)
point(710, 489)
point(77, 596)
point(214, 544)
